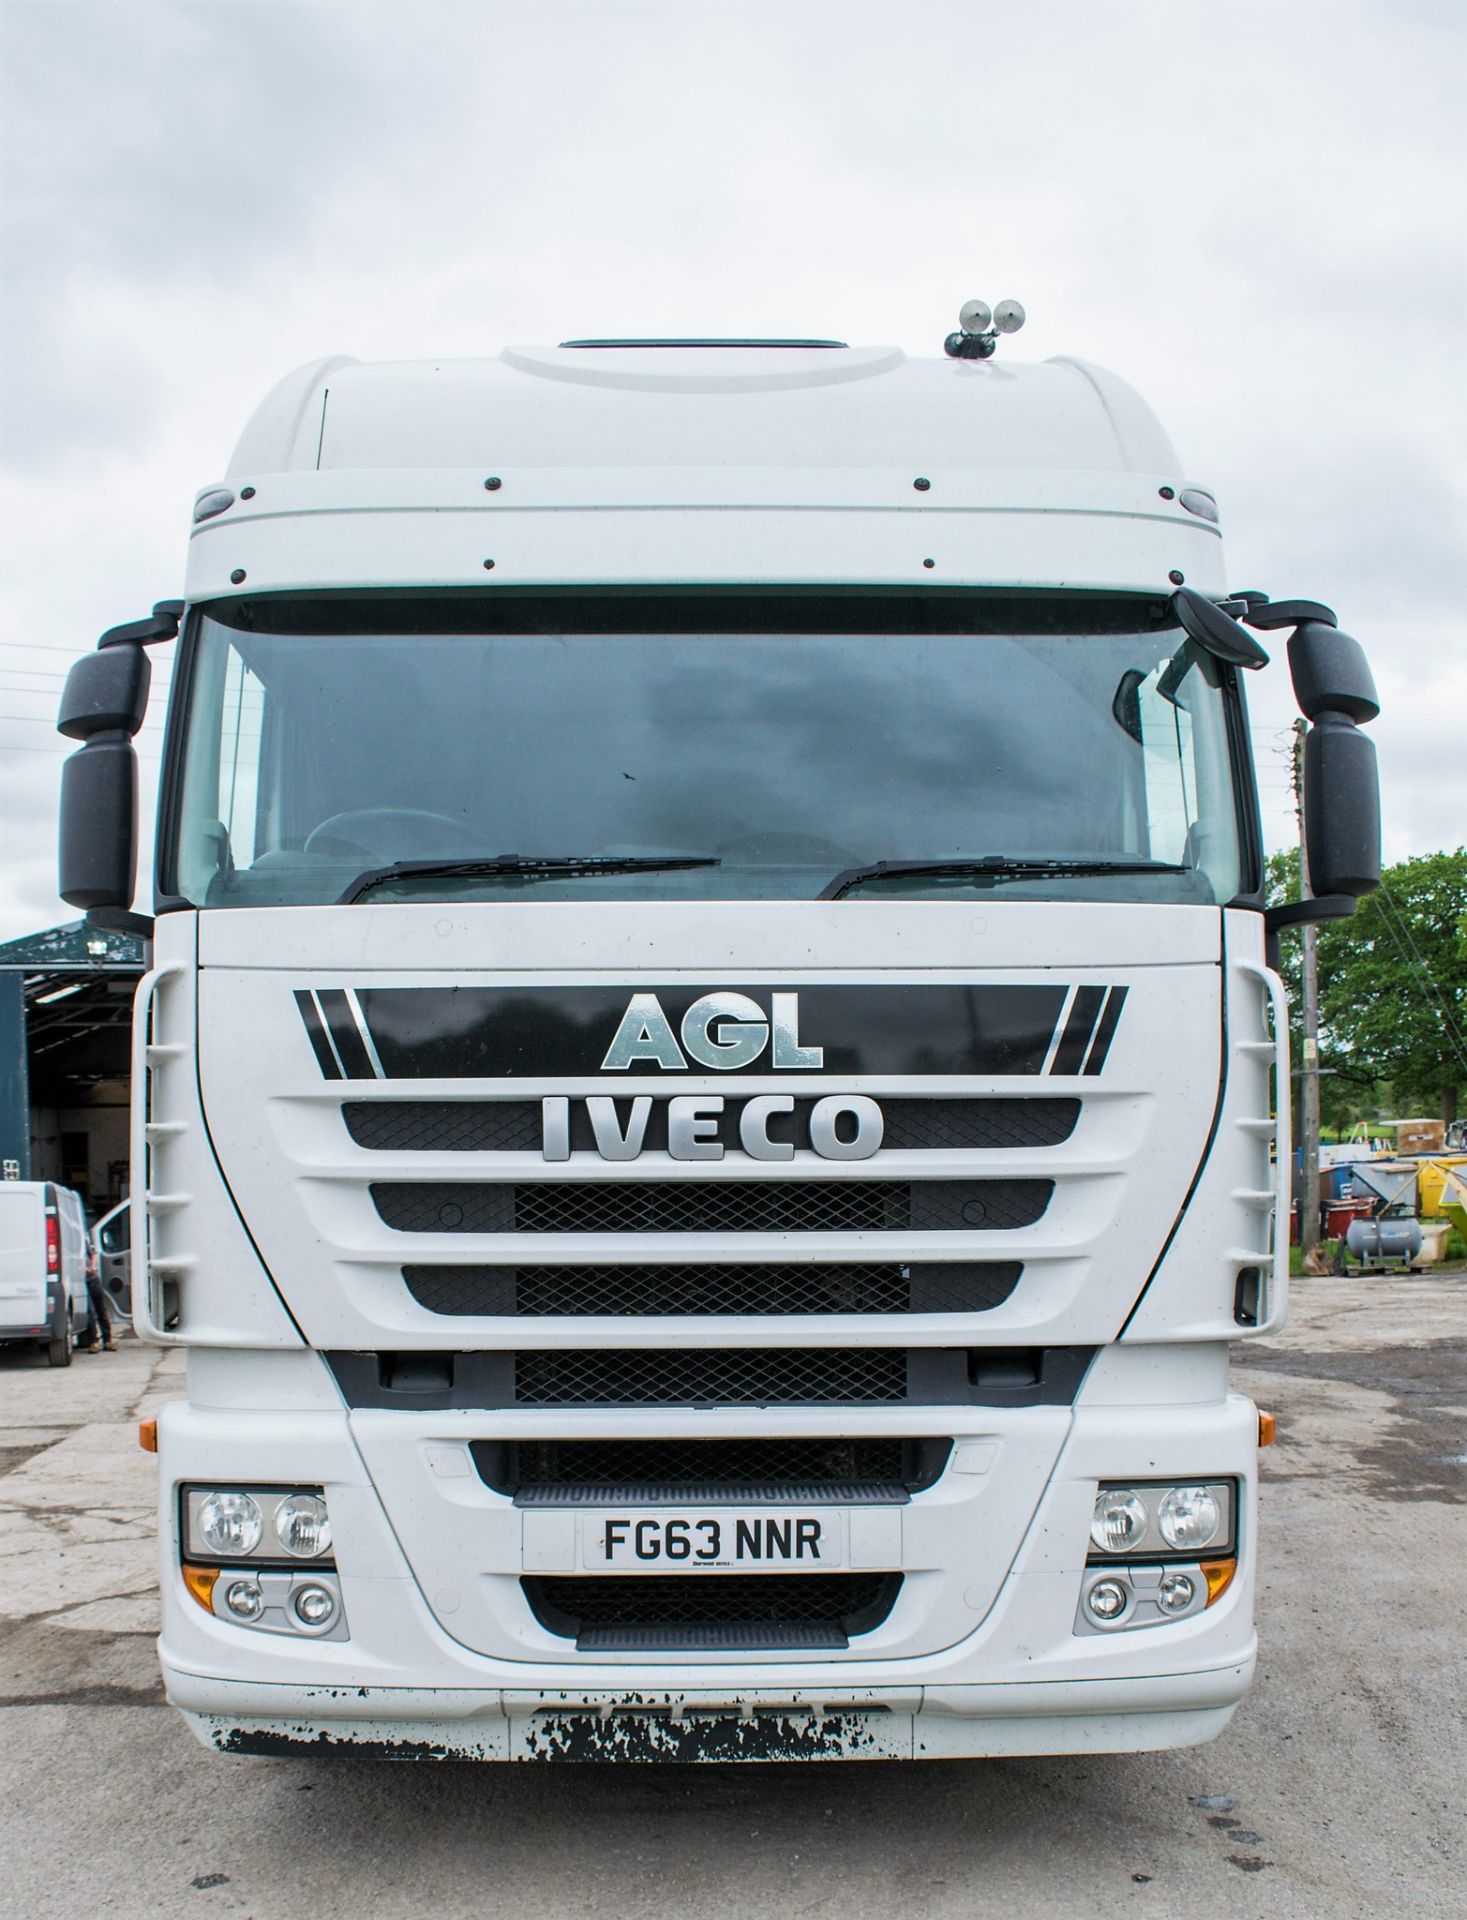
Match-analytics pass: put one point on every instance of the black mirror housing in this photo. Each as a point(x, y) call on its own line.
point(1331, 674)
point(98, 851)
point(1341, 807)
point(106, 692)
point(1216, 631)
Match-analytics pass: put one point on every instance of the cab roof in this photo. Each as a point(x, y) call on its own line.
point(755, 404)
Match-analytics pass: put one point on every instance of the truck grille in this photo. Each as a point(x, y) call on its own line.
point(738, 1376)
point(760, 1467)
point(717, 1376)
point(711, 1206)
point(514, 1126)
point(959, 1287)
point(612, 1613)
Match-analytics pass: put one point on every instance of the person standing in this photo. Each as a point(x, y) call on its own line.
point(102, 1340)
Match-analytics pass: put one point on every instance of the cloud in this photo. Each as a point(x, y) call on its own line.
point(1242, 210)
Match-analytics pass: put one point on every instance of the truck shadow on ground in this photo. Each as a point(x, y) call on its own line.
point(908, 1828)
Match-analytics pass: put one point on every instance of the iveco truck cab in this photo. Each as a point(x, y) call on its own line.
point(711, 1097)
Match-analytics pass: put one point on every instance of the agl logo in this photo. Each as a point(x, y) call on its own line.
point(724, 1031)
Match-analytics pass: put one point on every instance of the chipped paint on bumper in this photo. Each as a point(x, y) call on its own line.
point(911, 1723)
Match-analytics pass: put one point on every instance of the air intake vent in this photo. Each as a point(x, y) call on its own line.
point(598, 1292)
point(712, 1206)
point(714, 1376)
point(759, 1468)
point(740, 1376)
point(714, 1612)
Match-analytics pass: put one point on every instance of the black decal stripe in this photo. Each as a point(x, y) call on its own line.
point(545, 1033)
point(1105, 1032)
point(354, 1057)
point(1078, 1028)
point(320, 1045)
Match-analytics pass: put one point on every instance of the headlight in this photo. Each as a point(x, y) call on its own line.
point(302, 1526)
point(1189, 1518)
point(1120, 1520)
point(229, 1524)
point(262, 1524)
point(1150, 1520)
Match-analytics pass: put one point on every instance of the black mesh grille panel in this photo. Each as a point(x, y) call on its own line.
point(977, 1124)
point(711, 1376)
point(853, 1602)
point(444, 1126)
point(805, 1461)
point(712, 1206)
point(959, 1287)
point(514, 1126)
point(739, 1376)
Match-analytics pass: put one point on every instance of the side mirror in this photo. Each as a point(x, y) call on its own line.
point(98, 852)
point(103, 705)
point(106, 692)
point(1341, 805)
point(1331, 674)
point(1336, 693)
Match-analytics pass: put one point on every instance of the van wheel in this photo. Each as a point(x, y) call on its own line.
point(58, 1351)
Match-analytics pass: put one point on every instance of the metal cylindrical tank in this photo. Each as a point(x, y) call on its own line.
point(1385, 1240)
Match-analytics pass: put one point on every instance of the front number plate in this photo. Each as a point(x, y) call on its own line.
point(751, 1540)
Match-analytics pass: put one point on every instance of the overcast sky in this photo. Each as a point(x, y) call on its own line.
point(1255, 213)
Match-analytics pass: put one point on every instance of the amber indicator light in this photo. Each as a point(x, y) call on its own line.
point(200, 1583)
point(1219, 1577)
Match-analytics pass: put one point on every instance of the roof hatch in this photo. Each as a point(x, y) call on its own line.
point(565, 344)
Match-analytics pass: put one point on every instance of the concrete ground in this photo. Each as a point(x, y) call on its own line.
point(1338, 1790)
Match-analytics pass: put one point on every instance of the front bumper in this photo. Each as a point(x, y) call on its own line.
point(954, 1722)
point(1020, 1680)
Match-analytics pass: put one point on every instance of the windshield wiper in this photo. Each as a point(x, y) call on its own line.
point(530, 866)
point(995, 866)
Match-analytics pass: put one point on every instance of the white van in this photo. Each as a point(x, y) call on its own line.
point(43, 1267)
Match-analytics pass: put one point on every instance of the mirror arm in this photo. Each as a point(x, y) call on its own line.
point(161, 625)
point(1302, 913)
point(1269, 615)
point(120, 920)
point(1299, 913)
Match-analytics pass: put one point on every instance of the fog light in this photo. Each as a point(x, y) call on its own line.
point(302, 1526)
point(1107, 1599)
point(1120, 1520)
point(244, 1599)
point(313, 1606)
point(1176, 1592)
point(1189, 1517)
point(230, 1524)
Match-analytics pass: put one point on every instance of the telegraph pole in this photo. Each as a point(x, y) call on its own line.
point(1309, 1065)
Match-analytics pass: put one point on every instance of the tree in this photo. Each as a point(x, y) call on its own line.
point(1392, 984)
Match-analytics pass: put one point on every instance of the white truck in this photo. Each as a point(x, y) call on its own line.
point(702, 1107)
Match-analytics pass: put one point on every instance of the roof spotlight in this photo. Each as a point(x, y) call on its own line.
point(1008, 316)
point(979, 326)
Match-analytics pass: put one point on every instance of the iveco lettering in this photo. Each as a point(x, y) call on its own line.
point(711, 1096)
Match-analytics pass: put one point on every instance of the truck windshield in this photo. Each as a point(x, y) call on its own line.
point(697, 747)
